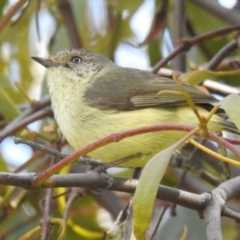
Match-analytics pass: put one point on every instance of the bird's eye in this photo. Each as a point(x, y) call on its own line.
point(76, 59)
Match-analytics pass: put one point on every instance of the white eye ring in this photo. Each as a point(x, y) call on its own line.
point(76, 59)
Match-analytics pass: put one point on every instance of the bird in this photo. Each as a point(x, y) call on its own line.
point(92, 98)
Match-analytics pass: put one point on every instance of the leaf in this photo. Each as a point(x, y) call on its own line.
point(62, 227)
point(7, 107)
point(197, 76)
point(184, 234)
point(231, 105)
point(147, 189)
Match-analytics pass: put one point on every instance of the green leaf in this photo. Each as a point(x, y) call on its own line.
point(231, 105)
point(197, 76)
point(147, 189)
point(7, 108)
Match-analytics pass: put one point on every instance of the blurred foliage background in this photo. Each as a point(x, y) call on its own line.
point(136, 34)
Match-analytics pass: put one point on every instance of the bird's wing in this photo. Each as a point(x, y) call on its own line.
point(119, 92)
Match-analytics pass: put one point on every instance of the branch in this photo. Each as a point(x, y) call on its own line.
point(186, 44)
point(68, 17)
point(179, 33)
point(11, 13)
point(212, 217)
point(216, 207)
point(104, 141)
point(222, 53)
point(229, 189)
point(46, 226)
point(84, 160)
point(221, 88)
point(121, 135)
point(36, 111)
point(95, 180)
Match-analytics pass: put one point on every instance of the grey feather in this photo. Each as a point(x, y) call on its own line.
point(129, 89)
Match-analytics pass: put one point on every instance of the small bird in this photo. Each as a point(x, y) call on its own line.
point(92, 98)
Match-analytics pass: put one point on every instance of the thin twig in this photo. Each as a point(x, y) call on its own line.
point(111, 138)
point(191, 30)
point(46, 112)
point(179, 62)
point(186, 44)
point(119, 136)
point(231, 214)
point(159, 221)
point(47, 210)
point(221, 88)
point(74, 194)
point(68, 17)
point(5, 20)
point(222, 53)
point(227, 62)
point(46, 215)
point(18, 122)
point(83, 160)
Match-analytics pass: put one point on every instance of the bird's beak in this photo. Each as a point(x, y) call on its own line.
point(45, 62)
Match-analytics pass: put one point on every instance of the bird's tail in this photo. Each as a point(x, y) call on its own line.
point(227, 126)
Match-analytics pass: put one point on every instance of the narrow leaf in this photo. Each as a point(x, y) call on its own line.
point(231, 105)
point(197, 76)
point(147, 189)
point(7, 107)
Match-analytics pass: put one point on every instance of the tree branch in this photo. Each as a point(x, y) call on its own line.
point(212, 217)
point(186, 44)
